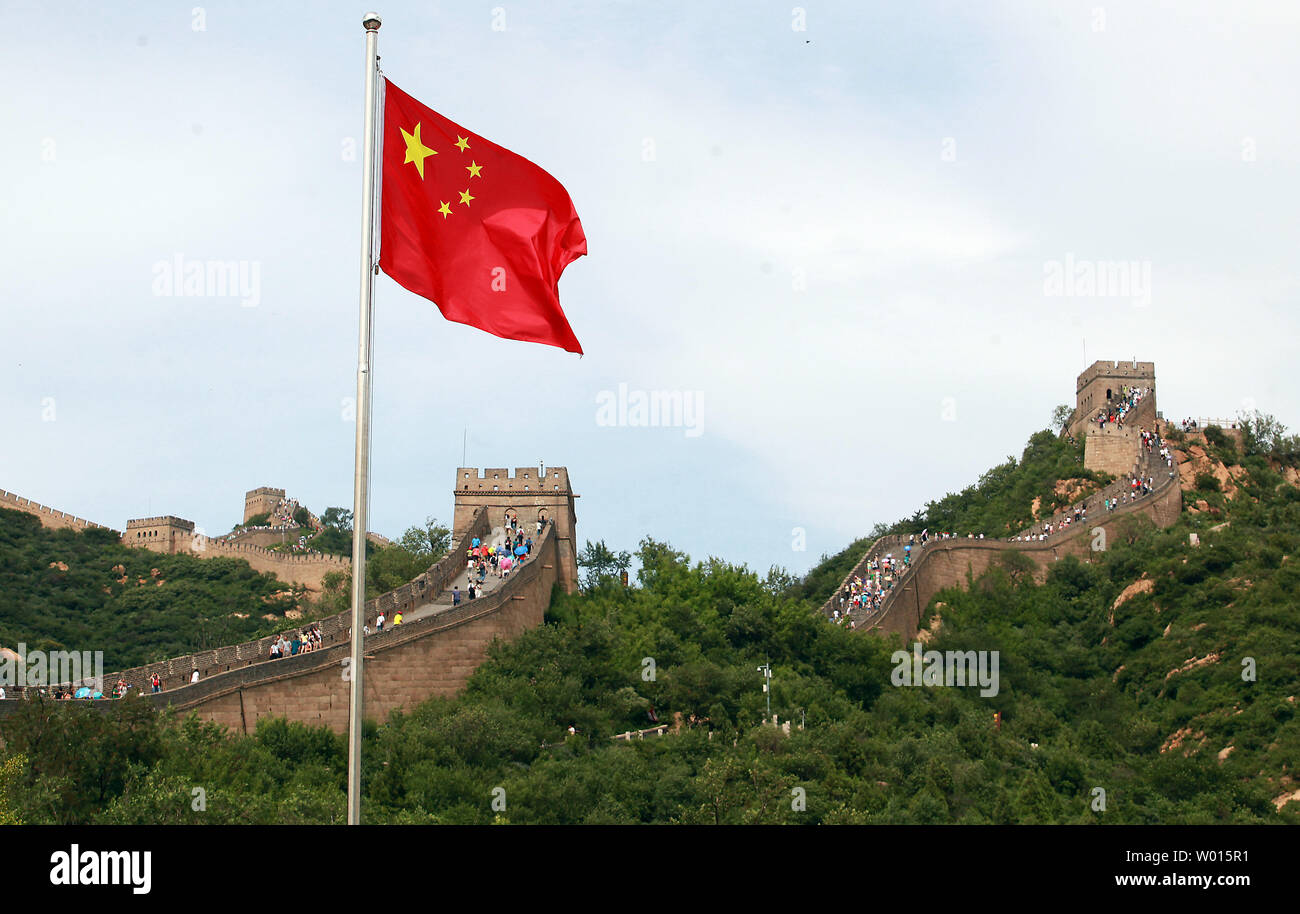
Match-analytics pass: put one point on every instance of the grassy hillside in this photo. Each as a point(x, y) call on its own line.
point(84, 591)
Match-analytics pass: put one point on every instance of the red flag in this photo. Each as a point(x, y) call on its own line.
point(481, 232)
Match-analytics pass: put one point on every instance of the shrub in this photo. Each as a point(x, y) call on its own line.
point(1214, 435)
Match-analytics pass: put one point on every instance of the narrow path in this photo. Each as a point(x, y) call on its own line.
point(491, 583)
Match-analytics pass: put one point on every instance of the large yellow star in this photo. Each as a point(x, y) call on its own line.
point(416, 151)
point(462, 143)
point(474, 168)
point(444, 209)
point(465, 196)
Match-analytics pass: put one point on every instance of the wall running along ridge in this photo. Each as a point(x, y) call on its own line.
point(950, 563)
point(405, 665)
point(49, 517)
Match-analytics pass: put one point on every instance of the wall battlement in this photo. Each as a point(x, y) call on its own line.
point(49, 517)
point(169, 519)
point(524, 479)
point(1132, 371)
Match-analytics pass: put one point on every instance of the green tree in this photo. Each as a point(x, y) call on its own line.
point(601, 564)
point(337, 519)
point(1061, 416)
point(429, 542)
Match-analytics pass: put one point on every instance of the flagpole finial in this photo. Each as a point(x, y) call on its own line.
point(372, 22)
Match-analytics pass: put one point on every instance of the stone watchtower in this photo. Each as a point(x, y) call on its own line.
point(1112, 449)
point(161, 534)
point(532, 493)
point(1099, 384)
point(261, 501)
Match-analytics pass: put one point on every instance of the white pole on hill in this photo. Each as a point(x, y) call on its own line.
point(361, 484)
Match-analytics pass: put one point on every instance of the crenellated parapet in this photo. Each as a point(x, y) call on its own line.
point(49, 517)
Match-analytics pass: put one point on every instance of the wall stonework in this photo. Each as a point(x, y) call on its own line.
point(405, 665)
point(49, 517)
point(160, 534)
point(305, 568)
point(1111, 450)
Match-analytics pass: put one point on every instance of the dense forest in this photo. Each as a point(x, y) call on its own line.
point(1170, 701)
point(78, 591)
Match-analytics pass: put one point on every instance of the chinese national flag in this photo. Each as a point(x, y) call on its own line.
point(481, 232)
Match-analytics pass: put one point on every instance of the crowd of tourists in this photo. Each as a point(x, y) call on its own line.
point(498, 560)
point(864, 594)
point(283, 512)
point(1156, 446)
point(294, 643)
point(1115, 411)
point(1192, 425)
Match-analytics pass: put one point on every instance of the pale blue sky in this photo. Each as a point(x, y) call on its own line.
point(912, 166)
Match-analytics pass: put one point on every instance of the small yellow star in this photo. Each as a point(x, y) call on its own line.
point(474, 168)
point(462, 143)
point(444, 209)
point(416, 151)
point(465, 196)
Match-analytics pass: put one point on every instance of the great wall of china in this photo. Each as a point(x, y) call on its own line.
point(434, 653)
point(49, 517)
point(1113, 448)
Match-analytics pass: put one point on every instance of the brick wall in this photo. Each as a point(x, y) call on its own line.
point(305, 568)
point(404, 666)
point(334, 629)
point(49, 517)
point(1111, 449)
point(949, 563)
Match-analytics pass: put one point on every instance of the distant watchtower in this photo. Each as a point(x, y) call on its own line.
point(1098, 387)
point(261, 501)
point(1113, 448)
point(161, 534)
point(529, 495)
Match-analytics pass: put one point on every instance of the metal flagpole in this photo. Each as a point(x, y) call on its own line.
point(361, 483)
